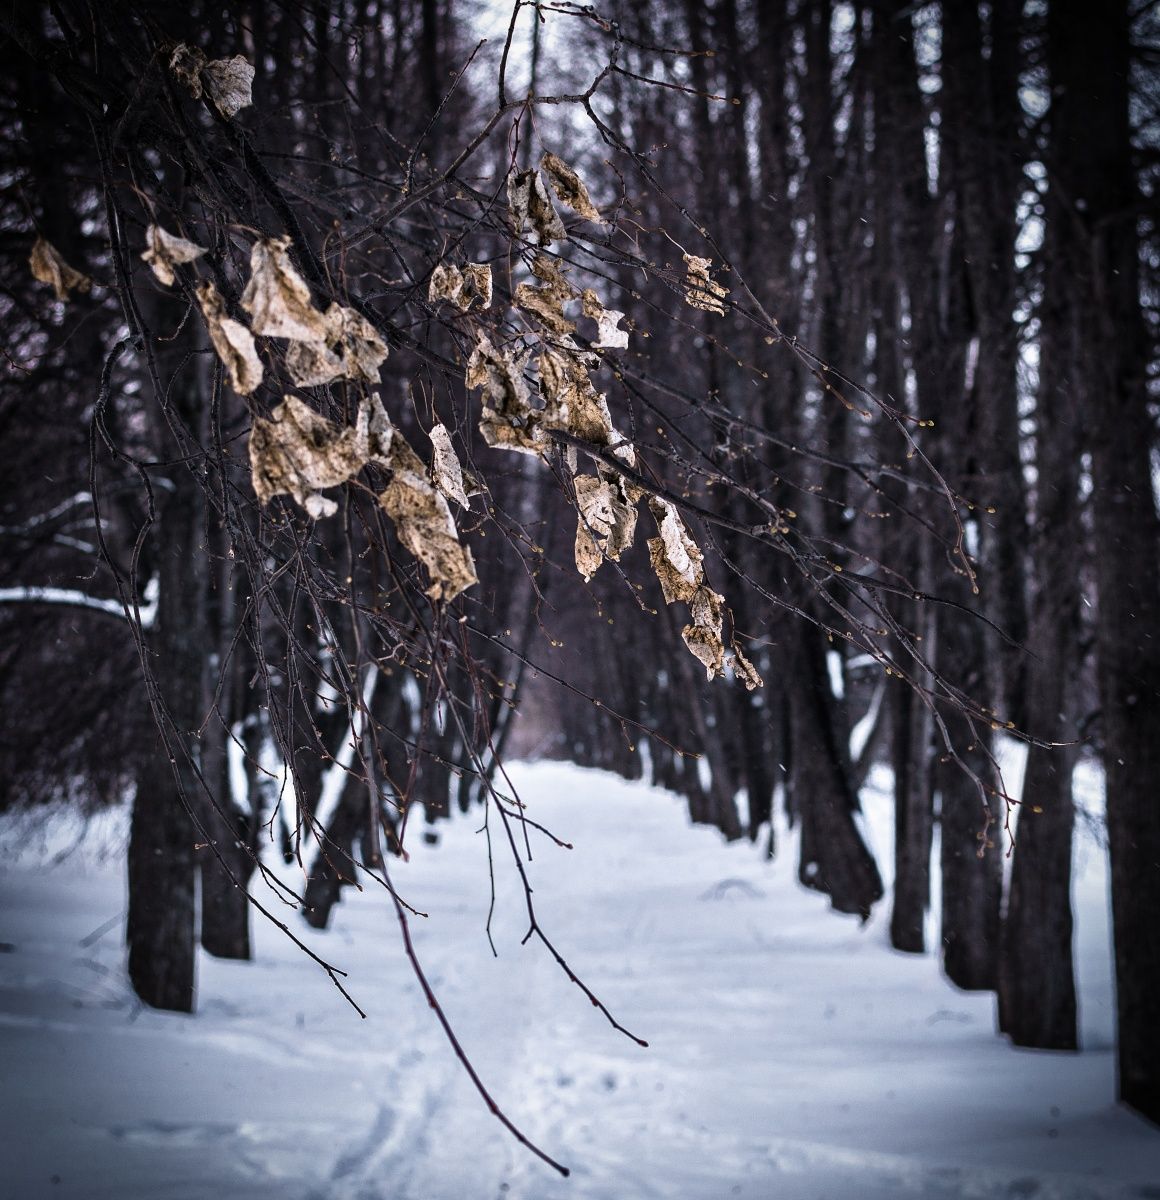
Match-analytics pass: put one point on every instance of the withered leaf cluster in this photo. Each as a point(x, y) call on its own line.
point(300, 453)
point(324, 347)
point(227, 81)
point(461, 288)
point(679, 567)
point(531, 206)
point(570, 402)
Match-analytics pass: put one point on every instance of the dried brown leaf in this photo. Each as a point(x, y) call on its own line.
point(231, 339)
point(507, 420)
point(228, 82)
point(679, 566)
point(461, 288)
point(676, 558)
point(701, 289)
point(445, 469)
point(606, 522)
point(357, 341)
point(358, 351)
point(744, 670)
point(424, 523)
point(166, 250)
point(48, 267)
point(545, 305)
point(608, 335)
point(569, 188)
point(477, 284)
point(313, 364)
point(277, 297)
point(703, 634)
point(299, 452)
point(531, 205)
point(571, 401)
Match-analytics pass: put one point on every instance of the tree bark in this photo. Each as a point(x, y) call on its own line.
point(1092, 177)
point(834, 858)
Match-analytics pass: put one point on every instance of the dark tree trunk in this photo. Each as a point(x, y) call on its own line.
point(1037, 1001)
point(1092, 172)
point(160, 927)
point(834, 859)
point(981, 118)
point(225, 910)
point(334, 867)
point(971, 863)
point(1037, 1005)
point(913, 820)
point(228, 859)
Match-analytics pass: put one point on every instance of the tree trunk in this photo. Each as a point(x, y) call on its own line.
point(334, 867)
point(1036, 977)
point(1091, 173)
point(834, 859)
point(160, 927)
point(913, 820)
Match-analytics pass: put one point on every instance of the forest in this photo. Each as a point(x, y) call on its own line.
point(348, 343)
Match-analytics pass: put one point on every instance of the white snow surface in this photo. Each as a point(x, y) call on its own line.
point(793, 1055)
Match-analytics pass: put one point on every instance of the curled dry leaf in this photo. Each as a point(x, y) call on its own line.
point(363, 351)
point(606, 522)
point(166, 250)
point(299, 452)
point(424, 523)
point(569, 188)
point(277, 297)
point(531, 205)
point(703, 634)
point(312, 364)
point(231, 339)
point(228, 81)
point(701, 289)
point(677, 559)
point(358, 351)
point(48, 267)
point(745, 670)
point(545, 305)
point(462, 288)
point(679, 566)
point(445, 469)
point(571, 401)
point(508, 419)
point(608, 335)
point(553, 271)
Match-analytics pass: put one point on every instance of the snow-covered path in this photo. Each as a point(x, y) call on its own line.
point(793, 1055)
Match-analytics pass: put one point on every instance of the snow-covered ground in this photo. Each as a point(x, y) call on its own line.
point(793, 1054)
